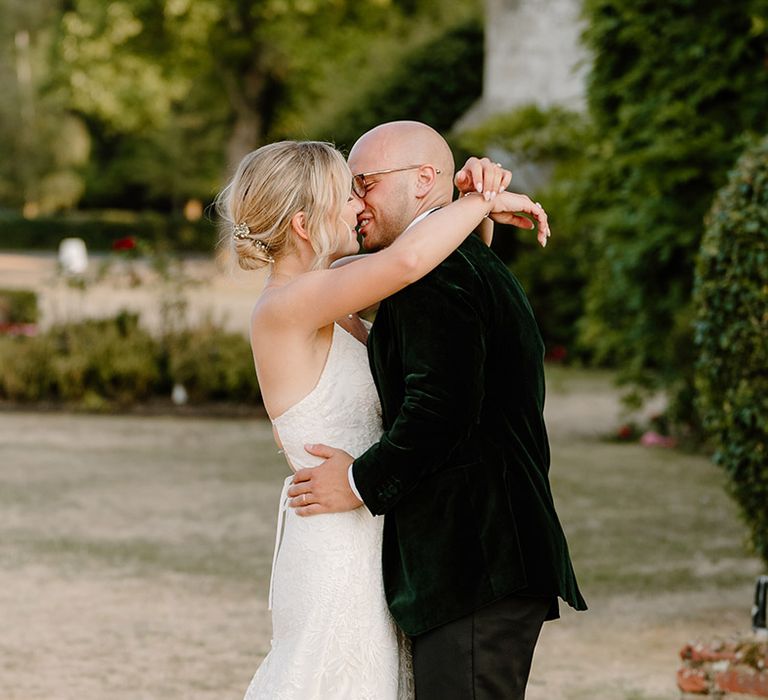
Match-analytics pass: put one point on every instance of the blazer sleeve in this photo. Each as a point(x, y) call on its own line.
point(440, 337)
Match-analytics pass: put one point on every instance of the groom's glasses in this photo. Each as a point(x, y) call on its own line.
point(360, 186)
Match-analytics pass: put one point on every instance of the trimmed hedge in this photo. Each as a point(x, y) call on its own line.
point(731, 334)
point(100, 230)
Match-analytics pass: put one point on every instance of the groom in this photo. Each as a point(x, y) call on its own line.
point(474, 557)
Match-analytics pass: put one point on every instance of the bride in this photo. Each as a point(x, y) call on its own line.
point(293, 206)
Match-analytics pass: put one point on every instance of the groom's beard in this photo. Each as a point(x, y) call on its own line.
point(388, 223)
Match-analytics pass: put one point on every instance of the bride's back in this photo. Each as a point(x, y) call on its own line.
point(288, 360)
point(341, 408)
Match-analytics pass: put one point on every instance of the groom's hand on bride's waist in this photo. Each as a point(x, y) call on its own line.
point(323, 489)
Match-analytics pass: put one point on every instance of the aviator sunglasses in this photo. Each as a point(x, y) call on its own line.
point(359, 186)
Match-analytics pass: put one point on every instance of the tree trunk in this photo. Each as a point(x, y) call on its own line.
point(246, 135)
point(246, 97)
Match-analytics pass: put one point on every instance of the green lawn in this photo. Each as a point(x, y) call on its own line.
point(135, 554)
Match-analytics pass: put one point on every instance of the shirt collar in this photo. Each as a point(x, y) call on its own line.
point(421, 216)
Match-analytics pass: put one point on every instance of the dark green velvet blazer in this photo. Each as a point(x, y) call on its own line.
point(461, 471)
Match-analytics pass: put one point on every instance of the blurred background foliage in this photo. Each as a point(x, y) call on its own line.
point(146, 104)
point(673, 90)
point(673, 94)
point(124, 118)
point(558, 142)
point(114, 363)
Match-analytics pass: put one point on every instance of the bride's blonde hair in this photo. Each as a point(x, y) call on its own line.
point(270, 186)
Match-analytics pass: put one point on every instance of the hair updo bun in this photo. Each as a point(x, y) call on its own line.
point(271, 185)
point(252, 252)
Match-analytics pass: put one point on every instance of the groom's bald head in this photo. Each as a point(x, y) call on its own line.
point(401, 141)
point(393, 200)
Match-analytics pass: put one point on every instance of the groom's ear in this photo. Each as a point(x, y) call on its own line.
point(298, 225)
point(427, 177)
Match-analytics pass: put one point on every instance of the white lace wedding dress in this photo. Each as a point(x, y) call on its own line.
point(332, 634)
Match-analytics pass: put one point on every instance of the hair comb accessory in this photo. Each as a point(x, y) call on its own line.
point(264, 250)
point(242, 231)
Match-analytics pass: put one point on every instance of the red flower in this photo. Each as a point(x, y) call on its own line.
point(556, 353)
point(127, 243)
point(625, 432)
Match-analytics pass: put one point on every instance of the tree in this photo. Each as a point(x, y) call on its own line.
point(673, 86)
point(137, 72)
point(436, 82)
point(278, 59)
point(44, 147)
point(168, 86)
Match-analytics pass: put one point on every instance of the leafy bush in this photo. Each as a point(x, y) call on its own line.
point(731, 299)
point(436, 84)
point(114, 359)
point(212, 364)
point(530, 133)
point(18, 306)
point(114, 362)
point(25, 368)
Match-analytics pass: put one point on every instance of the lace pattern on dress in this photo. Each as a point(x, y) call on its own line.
point(333, 636)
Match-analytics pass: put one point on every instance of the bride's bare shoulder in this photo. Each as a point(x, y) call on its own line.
point(265, 318)
point(264, 310)
point(273, 322)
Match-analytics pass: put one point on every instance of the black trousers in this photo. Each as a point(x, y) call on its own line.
point(484, 656)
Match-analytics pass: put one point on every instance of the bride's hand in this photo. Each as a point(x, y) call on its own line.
point(482, 175)
point(508, 208)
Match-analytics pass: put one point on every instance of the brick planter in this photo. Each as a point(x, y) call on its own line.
point(733, 669)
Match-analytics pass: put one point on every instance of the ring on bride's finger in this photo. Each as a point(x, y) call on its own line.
point(303, 499)
point(498, 165)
